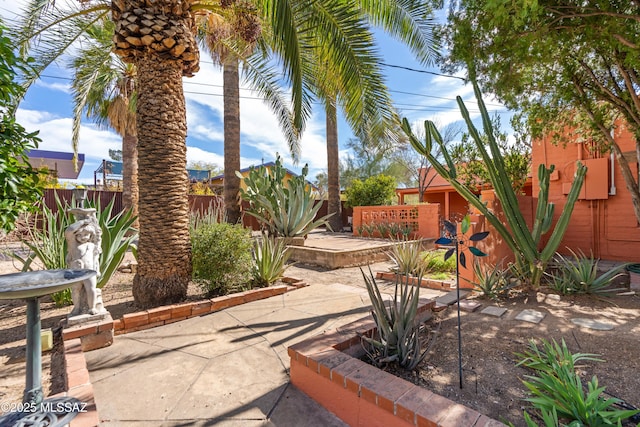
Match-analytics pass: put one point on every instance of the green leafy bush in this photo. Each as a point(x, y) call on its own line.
point(434, 262)
point(377, 190)
point(579, 275)
point(20, 184)
point(556, 388)
point(221, 258)
point(397, 338)
point(270, 256)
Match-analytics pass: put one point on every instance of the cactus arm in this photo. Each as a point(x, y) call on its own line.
point(467, 194)
point(541, 222)
point(563, 221)
point(505, 193)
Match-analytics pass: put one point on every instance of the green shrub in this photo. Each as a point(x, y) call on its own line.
point(434, 262)
point(557, 388)
point(376, 190)
point(270, 256)
point(221, 257)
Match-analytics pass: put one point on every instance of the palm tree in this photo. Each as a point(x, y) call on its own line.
point(349, 76)
point(104, 88)
point(158, 38)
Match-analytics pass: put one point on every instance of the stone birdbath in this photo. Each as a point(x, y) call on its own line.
point(30, 286)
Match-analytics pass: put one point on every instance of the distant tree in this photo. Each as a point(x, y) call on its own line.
point(321, 182)
point(20, 184)
point(205, 166)
point(564, 65)
point(413, 163)
point(472, 171)
point(376, 190)
point(115, 155)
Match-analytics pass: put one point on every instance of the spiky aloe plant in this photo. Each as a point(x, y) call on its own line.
point(398, 333)
point(523, 242)
point(270, 256)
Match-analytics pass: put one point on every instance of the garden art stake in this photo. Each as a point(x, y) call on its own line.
point(451, 236)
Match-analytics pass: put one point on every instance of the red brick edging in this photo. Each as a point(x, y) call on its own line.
point(362, 395)
point(441, 285)
point(77, 381)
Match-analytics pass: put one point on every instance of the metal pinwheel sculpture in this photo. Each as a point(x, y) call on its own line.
point(451, 238)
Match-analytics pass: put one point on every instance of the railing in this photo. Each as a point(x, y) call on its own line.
point(395, 221)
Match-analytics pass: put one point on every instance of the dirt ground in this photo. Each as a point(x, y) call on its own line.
point(492, 381)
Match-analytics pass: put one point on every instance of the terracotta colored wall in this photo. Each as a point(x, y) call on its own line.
point(424, 218)
point(602, 224)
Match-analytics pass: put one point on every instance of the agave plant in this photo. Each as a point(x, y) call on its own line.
point(270, 256)
point(48, 247)
point(398, 334)
point(579, 274)
point(493, 280)
point(285, 209)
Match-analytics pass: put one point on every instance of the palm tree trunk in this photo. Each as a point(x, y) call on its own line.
point(231, 91)
point(130, 174)
point(164, 260)
point(333, 167)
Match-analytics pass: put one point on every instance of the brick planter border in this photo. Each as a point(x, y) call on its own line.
point(441, 285)
point(324, 367)
point(77, 380)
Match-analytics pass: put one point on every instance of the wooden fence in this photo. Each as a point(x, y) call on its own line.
point(197, 203)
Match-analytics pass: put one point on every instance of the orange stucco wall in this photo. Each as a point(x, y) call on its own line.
point(602, 224)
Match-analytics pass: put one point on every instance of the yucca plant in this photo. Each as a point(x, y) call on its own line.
point(214, 214)
point(270, 256)
point(492, 280)
point(407, 256)
point(397, 339)
point(557, 387)
point(579, 275)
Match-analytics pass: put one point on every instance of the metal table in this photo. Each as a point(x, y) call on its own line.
point(31, 286)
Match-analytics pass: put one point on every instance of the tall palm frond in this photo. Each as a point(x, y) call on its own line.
point(46, 32)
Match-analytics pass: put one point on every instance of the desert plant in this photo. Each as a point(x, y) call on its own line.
point(407, 256)
point(579, 274)
point(397, 337)
point(383, 229)
point(270, 256)
point(493, 280)
point(221, 257)
point(48, 246)
point(557, 386)
point(284, 209)
point(215, 213)
point(523, 242)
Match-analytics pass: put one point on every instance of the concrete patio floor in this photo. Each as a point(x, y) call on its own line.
point(228, 368)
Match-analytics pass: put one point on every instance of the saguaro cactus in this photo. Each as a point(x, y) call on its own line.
point(523, 242)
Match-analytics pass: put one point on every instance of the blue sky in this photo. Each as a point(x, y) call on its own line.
point(419, 96)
